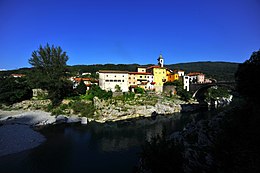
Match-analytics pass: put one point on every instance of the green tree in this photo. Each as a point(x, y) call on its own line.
point(14, 90)
point(247, 76)
point(50, 72)
point(117, 88)
point(81, 88)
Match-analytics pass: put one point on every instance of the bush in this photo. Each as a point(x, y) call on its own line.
point(95, 90)
point(84, 109)
point(139, 90)
point(13, 90)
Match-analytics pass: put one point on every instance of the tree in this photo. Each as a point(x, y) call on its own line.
point(247, 77)
point(81, 88)
point(14, 90)
point(49, 72)
point(117, 88)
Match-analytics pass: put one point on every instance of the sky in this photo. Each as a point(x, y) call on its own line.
point(130, 31)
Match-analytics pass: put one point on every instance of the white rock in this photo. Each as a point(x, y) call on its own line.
point(84, 120)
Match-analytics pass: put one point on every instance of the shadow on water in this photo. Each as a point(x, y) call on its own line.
point(109, 147)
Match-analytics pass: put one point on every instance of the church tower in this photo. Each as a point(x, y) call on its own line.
point(160, 60)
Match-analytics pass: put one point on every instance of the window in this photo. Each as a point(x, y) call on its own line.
point(107, 75)
point(133, 82)
point(110, 80)
point(107, 80)
point(129, 82)
point(119, 80)
point(123, 76)
point(141, 76)
point(129, 78)
point(115, 80)
point(115, 75)
point(123, 80)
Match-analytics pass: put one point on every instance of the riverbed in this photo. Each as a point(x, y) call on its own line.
point(109, 147)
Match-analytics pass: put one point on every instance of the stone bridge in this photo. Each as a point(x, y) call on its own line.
point(198, 90)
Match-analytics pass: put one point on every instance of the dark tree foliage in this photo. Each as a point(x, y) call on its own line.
point(247, 77)
point(81, 88)
point(14, 90)
point(49, 72)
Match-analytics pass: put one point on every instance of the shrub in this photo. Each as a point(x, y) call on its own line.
point(139, 90)
point(84, 109)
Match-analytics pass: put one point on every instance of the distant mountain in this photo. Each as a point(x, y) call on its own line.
point(217, 70)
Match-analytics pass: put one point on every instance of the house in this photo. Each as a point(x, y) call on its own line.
point(87, 81)
point(171, 75)
point(196, 77)
point(17, 75)
point(140, 79)
point(186, 82)
point(108, 79)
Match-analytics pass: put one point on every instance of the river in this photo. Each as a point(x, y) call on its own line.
point(109, 147)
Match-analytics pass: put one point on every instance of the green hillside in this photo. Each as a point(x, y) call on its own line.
point(217, 70)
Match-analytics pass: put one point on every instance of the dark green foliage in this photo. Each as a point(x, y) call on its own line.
point(81, 88)
point(14, 90)
point(247, 77)
point(215, 93)
point(117, 88)
point(161, 155)
point(95, 90)
point(221, 71)
point(83, 108)
point(185, 95)
point(139, 90)
point(49, 72)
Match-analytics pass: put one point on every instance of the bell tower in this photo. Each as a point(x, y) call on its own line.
point(160, 60)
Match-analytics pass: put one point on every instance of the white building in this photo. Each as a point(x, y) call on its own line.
point(108, 79)
point(186, 83)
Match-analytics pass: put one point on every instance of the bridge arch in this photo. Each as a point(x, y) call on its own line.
point(200, 89)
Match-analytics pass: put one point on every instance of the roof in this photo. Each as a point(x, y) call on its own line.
point(195, 73)
point(155, 66)
point(84, 79)
point(112, 71)
point(143, 73)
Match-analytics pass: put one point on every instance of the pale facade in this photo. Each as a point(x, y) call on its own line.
point(186, 83)
point(108, 79)
point(140, 79)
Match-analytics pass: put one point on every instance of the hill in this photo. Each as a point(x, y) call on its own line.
point(217, 70)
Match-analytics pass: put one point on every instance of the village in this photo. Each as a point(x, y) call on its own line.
point(150, 78)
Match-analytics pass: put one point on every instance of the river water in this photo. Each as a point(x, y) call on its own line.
point(109, 147)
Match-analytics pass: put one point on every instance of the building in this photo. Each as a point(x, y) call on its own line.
point(140, 79)
point(17, 75)
point(108, 79)
point(186, 83)
point(196, 77)
point(87, 81)
point(159, 74)
point(171, 75)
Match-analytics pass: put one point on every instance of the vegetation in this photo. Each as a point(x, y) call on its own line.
point(95, 90)
point(49, 72)
point(184, 95)
point(81, 88)
point(139, 90)
point(247, 80)
point(236, 146)
point(14, 90)
point(214, 93)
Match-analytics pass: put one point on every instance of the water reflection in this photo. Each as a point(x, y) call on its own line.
point(76, 148)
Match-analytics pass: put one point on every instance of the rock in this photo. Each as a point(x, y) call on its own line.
point(74, 119)
point(61, 119)
point(84, 120)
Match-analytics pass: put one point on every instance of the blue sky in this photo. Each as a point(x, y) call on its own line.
point(130, 31)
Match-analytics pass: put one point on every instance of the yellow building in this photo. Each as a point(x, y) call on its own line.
point(159, 74)
point(140, 79)
point(171, 76)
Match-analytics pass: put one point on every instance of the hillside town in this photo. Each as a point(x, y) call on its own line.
point(150, 78)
